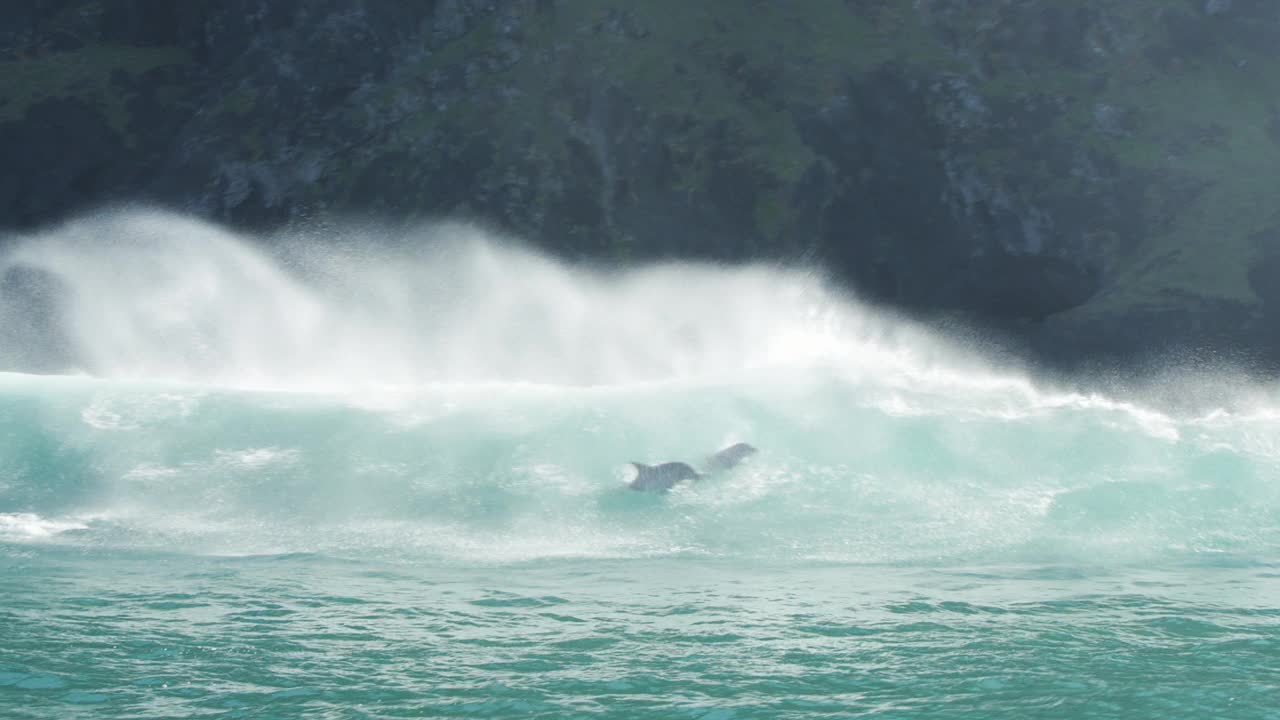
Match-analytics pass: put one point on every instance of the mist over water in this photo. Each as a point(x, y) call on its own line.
point(450, 394)
point(157, 296)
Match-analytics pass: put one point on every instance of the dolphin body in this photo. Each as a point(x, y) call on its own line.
point(730, 456)
point(660, 478)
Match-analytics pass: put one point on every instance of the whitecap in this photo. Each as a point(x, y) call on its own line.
point(30, 526)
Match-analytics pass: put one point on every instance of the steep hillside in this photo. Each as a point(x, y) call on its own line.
point(1095, 176)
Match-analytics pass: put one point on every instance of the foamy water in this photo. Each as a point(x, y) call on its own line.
point(386, 477)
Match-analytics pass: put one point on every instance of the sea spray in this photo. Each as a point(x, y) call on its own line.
point(148, 295)
point(458, 397)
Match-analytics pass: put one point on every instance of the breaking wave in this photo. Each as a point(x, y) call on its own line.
point(445, 393)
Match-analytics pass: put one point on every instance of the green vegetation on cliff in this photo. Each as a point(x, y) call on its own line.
point(86, 73)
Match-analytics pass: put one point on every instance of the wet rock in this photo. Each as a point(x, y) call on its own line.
point(1216, 7)
point(59, 157)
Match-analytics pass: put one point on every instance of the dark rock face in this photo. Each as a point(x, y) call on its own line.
point(1094, 178)
point(66, 128)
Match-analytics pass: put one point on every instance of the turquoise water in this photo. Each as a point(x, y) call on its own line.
point(241, 499)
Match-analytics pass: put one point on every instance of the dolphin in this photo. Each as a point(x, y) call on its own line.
point(662, 477)
point(730, 456)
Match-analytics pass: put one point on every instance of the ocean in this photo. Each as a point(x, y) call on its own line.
point(382, 474)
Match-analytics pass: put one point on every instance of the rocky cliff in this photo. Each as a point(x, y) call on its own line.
point(1096, 176)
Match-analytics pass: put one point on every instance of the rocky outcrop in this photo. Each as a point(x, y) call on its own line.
point(1094, 178)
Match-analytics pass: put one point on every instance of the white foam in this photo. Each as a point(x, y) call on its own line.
point(132, 410)
point(151, 472)
point(30, 526)
point(256, 458)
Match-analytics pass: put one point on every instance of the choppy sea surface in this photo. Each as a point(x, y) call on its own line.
point(370, 479)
